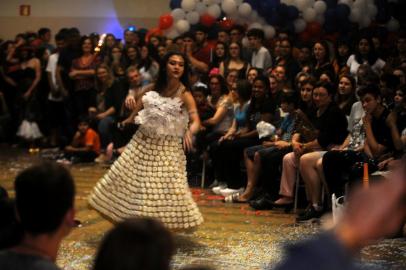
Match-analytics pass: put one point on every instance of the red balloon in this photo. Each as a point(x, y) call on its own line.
point(314, 28)
point(207, 20)
point(226, 24)
point(305, 36)
point(165, 21)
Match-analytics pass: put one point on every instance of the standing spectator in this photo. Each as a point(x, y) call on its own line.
point(82, 73)
point(44, 34)
point(56, 106)
point(261, 58)
point(234, 61)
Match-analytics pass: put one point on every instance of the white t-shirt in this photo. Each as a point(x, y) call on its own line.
point(353, 64)
point(261, 58)
point(51, 68)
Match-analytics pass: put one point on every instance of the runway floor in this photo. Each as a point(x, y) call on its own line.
point(233, 236)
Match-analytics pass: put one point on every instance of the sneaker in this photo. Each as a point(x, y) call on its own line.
point(64, 161)
point(217, 189)
point(229, 191)
point(309, 214)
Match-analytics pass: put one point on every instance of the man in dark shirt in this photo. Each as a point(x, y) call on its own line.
point(44, 204)
point(340, 166)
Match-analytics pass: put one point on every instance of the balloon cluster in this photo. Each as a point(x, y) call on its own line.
point(305, 17)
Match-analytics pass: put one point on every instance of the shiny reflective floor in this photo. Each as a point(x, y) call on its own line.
point(232, 237)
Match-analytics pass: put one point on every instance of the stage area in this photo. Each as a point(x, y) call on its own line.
point(232, 236)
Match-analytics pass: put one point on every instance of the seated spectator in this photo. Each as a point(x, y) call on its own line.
point(370, 215)
point(44, 205)
point(228, 154)
point(252, 74)
point(137, 243)
point(110, 97)
point(271, 151)
point(85, 145)
point(311, 146)
point(340, 166)
point(345, 96)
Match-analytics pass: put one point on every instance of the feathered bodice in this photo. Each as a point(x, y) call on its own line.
point(162, 115)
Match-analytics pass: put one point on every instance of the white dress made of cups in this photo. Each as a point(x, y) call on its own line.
point(149, 178)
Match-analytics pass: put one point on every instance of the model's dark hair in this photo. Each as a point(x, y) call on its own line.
point(162, 79)
point(137, 243)
point(44, 194)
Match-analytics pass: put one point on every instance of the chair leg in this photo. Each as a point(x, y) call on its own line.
point(203, 173)
point(296, 191)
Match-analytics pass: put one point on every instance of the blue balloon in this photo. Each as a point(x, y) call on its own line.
point(175, 4)
point(293, 12)
point(253, 3)
point(342, 12)
point(330, 23)
point(331, 3)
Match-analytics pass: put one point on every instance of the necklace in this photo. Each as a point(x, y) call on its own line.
point(172, 92)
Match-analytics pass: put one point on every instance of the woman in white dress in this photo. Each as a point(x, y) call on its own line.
point(149, 178)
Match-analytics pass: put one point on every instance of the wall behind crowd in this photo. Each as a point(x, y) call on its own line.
point(89, 16)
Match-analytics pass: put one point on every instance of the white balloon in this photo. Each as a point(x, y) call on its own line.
point(229, 6)
point(201, 8)
point(320, 18)
point(171, 33)
point(214, 11)
point(208, 2)
point(393, 25)
point(182, 26)
point(238, 2)
point(320, 7)
point(302, 5)
point(359, 4)
point(288, 2)
point(269, 31)
point(254, 16)
point(309, 15)
point(300, 25)
point(178, 14)
point(245, 9)
point(364, 22)
point(372, 10)
point(192, 17)
point(346, 2)
point(188, 5)
point(255, 25)
point(355, 15)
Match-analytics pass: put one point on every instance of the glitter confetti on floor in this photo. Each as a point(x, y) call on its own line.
point(232, 237)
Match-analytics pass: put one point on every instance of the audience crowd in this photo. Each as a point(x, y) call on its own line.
point(329, 105)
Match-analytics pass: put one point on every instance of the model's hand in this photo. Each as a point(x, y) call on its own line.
point(187, 141)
